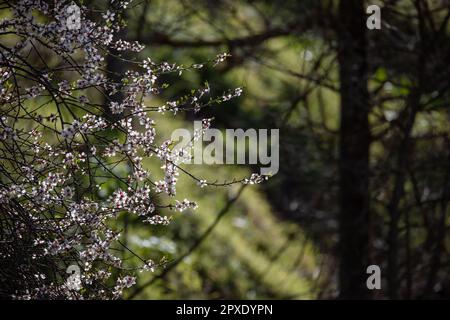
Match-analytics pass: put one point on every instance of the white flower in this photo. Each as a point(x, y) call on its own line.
point(116, 108)
point(109, 16)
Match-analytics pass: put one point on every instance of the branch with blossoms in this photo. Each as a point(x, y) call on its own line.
point(63, 136)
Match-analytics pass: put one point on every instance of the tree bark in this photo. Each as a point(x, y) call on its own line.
point(354, 151)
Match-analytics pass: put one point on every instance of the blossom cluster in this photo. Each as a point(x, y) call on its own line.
point(64, 134)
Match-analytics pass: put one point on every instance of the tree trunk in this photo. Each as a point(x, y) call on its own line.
point(354, 152)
